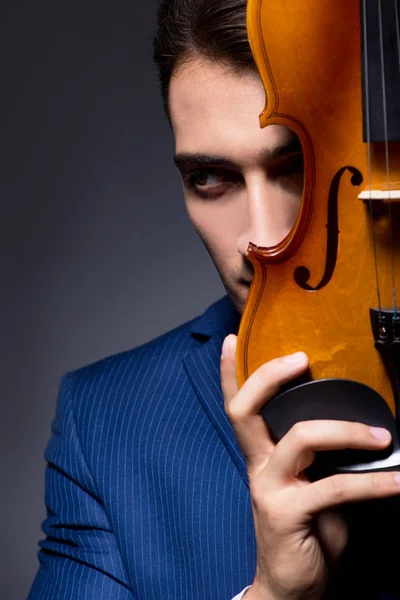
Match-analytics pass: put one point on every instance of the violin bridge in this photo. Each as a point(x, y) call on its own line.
point(382, 195)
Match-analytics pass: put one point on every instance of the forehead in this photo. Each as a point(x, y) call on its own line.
point(213, 108)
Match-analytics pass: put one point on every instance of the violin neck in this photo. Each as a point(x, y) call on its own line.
point(380, 29)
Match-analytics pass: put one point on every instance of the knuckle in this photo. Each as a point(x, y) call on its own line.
point(337, 489)
point(377, 482)
point(361, 432)
point(268, 373)
point(301, 433)
point(356, 430)
point(235, 411)
point(261, 375)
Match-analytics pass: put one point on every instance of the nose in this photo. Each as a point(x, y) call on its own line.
point(270, 214)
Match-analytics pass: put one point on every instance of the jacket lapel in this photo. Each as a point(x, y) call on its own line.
point(202, 367)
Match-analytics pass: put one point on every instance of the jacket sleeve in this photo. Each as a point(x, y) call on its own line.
point(79, 558)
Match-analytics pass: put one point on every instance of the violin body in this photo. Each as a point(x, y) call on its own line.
point(314, 291)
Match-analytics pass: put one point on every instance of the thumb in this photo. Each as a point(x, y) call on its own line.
point(228, 368)
point(332, 532)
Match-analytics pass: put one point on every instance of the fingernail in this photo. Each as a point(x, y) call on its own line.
point(380, 433)
point(397, 478)
point(295, 358)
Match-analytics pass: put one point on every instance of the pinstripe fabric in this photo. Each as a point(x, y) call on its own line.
point(146, 487)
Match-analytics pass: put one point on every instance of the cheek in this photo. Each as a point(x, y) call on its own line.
point(218, 224)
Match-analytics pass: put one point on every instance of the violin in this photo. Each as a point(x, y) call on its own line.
point(331, 73)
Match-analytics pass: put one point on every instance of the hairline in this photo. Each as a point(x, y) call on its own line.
point(191, 56)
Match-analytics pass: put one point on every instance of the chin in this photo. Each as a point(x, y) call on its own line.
point(238, 297)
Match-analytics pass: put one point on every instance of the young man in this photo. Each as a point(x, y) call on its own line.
point(152, 491)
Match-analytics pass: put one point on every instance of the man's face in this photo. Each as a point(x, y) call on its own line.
point(241, 183)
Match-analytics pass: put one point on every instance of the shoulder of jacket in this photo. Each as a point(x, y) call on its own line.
point(170, 347)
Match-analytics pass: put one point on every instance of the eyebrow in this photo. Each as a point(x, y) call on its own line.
point(184, 160)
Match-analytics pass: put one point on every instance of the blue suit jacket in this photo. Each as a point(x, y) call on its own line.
point(146, 487)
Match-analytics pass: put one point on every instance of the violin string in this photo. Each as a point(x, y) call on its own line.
point(368, 126)
point(397, 22)
point(387, 153)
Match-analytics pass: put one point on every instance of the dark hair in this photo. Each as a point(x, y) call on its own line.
point(214, 29)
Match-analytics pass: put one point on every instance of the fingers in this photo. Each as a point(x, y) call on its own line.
point(243, 406)
point(332, 532)
point(228, 368)
point(339, 489)
point(296, 450)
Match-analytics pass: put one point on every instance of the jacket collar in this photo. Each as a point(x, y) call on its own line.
point(215, 318)
point(202, 367)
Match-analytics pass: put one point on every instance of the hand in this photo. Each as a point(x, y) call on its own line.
point(299, 534)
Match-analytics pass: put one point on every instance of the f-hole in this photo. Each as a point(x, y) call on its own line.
point(302, 274)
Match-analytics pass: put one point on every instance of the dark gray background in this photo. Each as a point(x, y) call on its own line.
point(96, 252)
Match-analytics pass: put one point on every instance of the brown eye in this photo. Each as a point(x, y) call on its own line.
point(205, 179)
point(211, 183)
point(200, 178)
